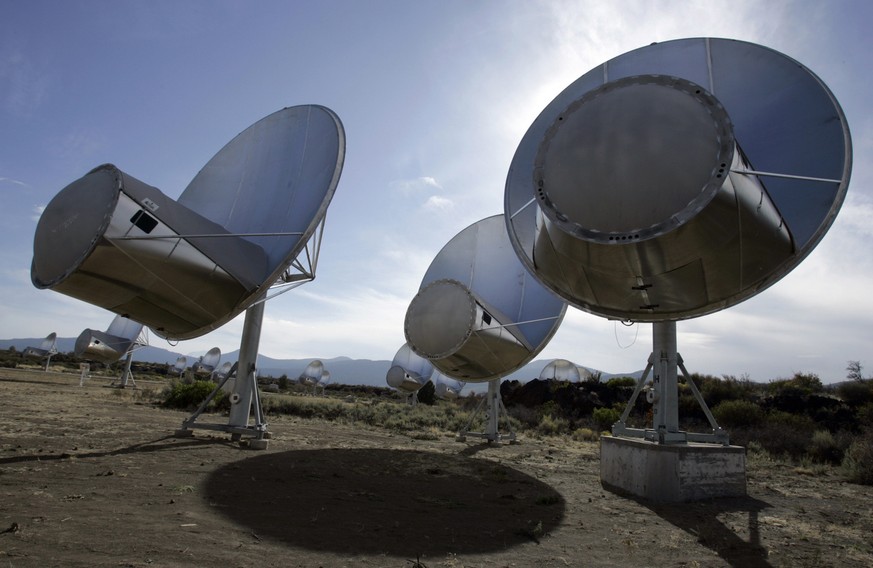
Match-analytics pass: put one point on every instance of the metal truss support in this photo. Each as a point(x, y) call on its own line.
point(664, 364)
point(493, 407)
point(246, 395)
point(126, 376)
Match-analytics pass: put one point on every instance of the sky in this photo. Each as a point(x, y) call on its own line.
point(434, 97)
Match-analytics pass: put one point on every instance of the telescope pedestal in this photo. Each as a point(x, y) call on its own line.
point(245, 396)
point(664, 463)
point(672, 473)
point(493, 406)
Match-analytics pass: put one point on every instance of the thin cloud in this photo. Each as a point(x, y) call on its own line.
point(4, 181)
point(437, 203)
point(23, 87)
point(416, 185)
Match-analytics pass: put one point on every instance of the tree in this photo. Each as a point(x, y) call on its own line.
point(854, 373)
point(426, 394)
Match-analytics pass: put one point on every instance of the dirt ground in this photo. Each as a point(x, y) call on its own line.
point(92, 476)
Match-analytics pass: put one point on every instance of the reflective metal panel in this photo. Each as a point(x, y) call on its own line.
point(479, 314)
point(447, 388)
point(678, 179)
point(325, 378)
point(408, 372)
point(277, 176)
point(312, 373)
point(222, 371)
point(208, 362)
point(47, 347)
point(111, 345)
point(185, 268)
point(560, 370)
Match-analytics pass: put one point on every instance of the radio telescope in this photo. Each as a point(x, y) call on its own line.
point(408, 373)
point(322, 383)
point(207, 363)
point(46, 349)
point(675, 181)
point(247, 227)
point(480, 315)
point(180, 365)
point(447, 388)
point(119, 340)
point(560, 370)
point(312, 375)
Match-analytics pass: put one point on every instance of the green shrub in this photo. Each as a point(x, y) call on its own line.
point(605, 417)
point(823, 448)
point(616, 382)
point(858, 461)
point(550, 426)
point(856, 393)
point(786, 434)
point(189, 396)
point(585, 435)
point(733, 413)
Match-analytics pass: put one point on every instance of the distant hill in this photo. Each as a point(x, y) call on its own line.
point(343, 370)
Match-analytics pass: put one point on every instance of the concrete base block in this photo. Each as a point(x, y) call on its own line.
point(672, 473)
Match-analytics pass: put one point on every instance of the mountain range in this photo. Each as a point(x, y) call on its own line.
point(343, 370)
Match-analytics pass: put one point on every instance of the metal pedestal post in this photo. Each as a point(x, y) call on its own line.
point(664, 364)
point(126, 375)
point(493, 405)
point(245, 394)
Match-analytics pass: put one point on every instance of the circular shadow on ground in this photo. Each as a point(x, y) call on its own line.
point(395, 502)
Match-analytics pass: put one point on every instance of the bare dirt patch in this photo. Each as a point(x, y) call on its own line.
point(91, 476)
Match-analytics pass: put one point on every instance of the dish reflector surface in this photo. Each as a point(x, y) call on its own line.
point(187, 267)
point(678, 179)
point(409, 371)
point(479, 314)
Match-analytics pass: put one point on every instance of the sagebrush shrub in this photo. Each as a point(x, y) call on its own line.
point(858, 461)
point(188, 396)
point(605, 417)
point(824, 448)
point(733, 413)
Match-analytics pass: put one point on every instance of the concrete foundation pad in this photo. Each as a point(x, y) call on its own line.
point(671, 473)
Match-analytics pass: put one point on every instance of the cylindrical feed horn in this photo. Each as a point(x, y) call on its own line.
point(640, 211)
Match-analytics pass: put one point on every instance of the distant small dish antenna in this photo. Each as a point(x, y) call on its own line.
point(479, 314)
point(322, 382)
point(120, 339)
point(311, 374)
point(408, 373)
point(208, 362)
point(560, 370)
point(222, 371)
point(111, 345)
point(46, 349)
point(447, 388)
point(180, 365)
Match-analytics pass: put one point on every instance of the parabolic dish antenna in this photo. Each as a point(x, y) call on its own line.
point(560, 370)
point(186, 267)
point(111, 345)
point(678, 179)
point(447, 388)
point(48, 347)
point(479, 314)
point(408, 372)
point(312, 373)
point(208, 362)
